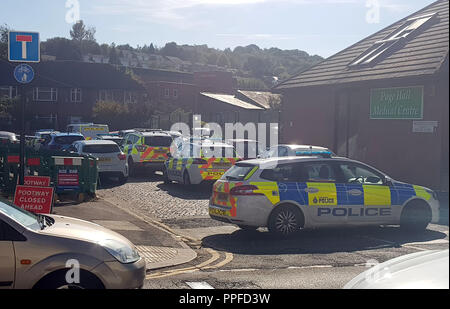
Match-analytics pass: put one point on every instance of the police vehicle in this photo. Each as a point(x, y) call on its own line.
point(194, 161)
point(147, 148)
point(287, 150)
point(292, 193)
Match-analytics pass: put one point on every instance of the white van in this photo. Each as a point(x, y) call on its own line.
point(88, 130)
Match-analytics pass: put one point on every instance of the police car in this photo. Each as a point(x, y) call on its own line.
point(147, 148)
point(292, 193)
point(194, 161)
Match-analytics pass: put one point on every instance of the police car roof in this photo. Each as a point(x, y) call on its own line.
point(96, 142)
point(65, 134)
point(155, 133)
point(293, 159)
point(294, 146)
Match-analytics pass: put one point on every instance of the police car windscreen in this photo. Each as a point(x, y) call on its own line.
point(238, 172)
point(158, 141)
point(101, 148)
point(67, 140)
point(218, 152)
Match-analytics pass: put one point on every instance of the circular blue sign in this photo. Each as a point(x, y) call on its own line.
point(23, 73)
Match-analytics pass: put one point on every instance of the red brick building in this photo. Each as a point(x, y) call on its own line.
point(383, 100)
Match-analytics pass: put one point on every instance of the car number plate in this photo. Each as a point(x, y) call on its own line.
point(103, 160)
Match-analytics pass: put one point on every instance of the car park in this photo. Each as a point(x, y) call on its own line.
point(197, 160)
point(146, 148)
point(295, 150)
point(37, 251)
point(62, 141)
point(420, 270)
point(111, 160)
point(292, 193)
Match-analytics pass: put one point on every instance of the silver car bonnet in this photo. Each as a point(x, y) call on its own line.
point(420, 270)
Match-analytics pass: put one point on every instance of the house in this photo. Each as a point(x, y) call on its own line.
point(383, 100)
point(64, 92)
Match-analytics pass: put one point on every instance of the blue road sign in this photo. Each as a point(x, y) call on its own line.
point(23, 73)
point(23, 47)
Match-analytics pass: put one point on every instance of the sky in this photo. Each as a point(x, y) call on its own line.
point(319, 27)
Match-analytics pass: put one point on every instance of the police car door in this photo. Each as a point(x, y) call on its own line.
point(322, 194)
point(367, 198)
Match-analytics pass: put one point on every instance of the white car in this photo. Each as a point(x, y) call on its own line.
point(111, 160)
point(295, 150)
point(420, 270)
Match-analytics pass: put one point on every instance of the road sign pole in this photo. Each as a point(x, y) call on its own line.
point(22, 135)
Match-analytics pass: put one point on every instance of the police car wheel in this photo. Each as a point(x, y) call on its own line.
point(285, 221)
point(415, 216)
point(166, 177)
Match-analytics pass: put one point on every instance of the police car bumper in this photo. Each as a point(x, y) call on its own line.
point(251, 211)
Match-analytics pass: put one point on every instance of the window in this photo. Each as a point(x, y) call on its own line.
point(130, 97)
point(175, 93)
point(105, 95)
point(283, 173)
point(158, 141)
point(45, 94)
point(318, 172)
point(353, 173)
point(401, 33)
point(167, 92)
point(75, 95)
point(101, 148)
point(8, 92)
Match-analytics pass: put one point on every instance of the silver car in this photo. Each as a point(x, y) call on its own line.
point(420, 270)
point(290, 150)
point(111, 160)
point(52, 252)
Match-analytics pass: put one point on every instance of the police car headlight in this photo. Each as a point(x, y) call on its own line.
point(122, 252)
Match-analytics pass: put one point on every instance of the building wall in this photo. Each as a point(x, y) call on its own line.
point(339, 117)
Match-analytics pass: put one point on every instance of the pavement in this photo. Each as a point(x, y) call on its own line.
point(160, 246)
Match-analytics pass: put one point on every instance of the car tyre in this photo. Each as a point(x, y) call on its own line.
point(166, 177)
point(131, 167)
point(415, 216)
point(123, 179)
point(57, 280)
point(285, 221)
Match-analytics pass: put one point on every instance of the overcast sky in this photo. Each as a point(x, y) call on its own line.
point(321, 27)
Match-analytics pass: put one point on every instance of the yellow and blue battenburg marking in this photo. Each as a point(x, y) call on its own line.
point(330, 194)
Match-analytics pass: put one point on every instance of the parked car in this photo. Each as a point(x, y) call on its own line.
point(35, 250)
point(295, 150)
point(88, 130)
point(8, 137)
point(112, 162)
point(42, 138)
point(110, 137)
point(294, 193)
point(420, 270)
point(62, 141)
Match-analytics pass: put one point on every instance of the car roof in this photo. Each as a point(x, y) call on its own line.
point(5, 133)
point(295, 146)
point(96, 142)
point(155, 133)
point(294, 159)
point(66, 134)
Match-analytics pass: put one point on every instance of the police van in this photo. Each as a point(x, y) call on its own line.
point(292, 193)
point(88, 130)
point(146, 148)
point(194, 161)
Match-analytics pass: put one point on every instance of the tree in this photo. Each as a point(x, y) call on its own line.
point(4, 41)
point(109, 112)
point(223, 61)
point(62, 49)
point(170, 49)
point(151, 49)
point(113, 57)
point(80, 33)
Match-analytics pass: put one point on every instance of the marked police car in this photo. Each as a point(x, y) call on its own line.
point(294, 150)
point(146, 148)
point(292, 193)
point(194, 161)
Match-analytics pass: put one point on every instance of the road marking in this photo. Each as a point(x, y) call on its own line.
point(228, 259)
point(214, 256)
point(200, 285)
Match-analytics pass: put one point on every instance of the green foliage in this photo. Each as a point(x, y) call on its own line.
point(245, 83)
point(121, 116)
point(4, 41)
point(62, 49)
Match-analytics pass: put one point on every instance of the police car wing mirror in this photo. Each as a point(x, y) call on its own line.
point(388, 181)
